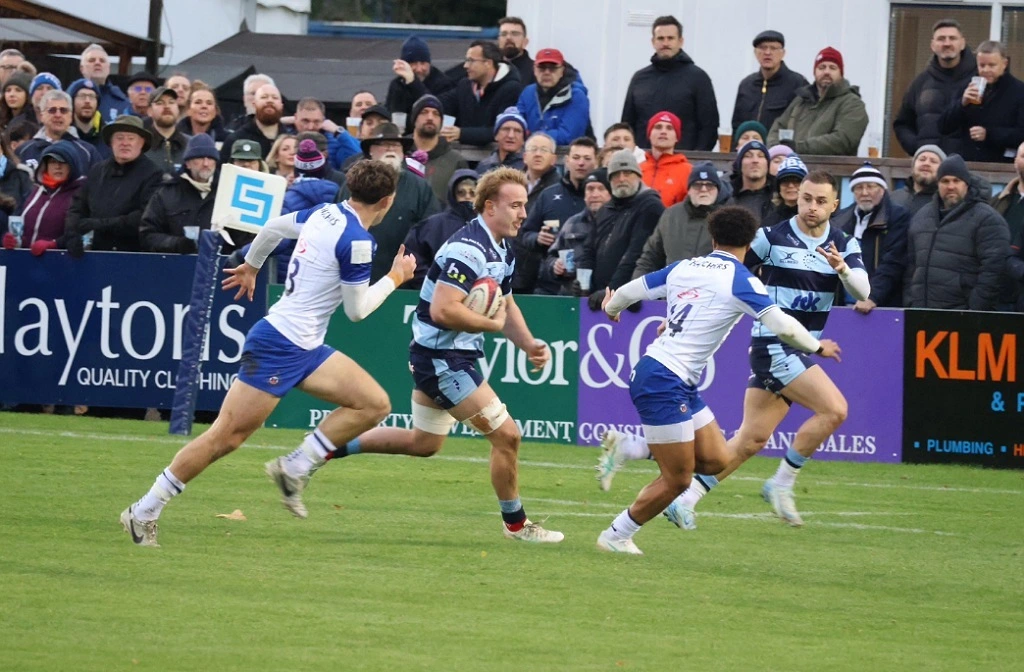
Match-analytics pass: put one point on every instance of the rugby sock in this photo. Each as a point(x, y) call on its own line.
point(513, 514)
point(635, 448)
point(624, 527)
point(152, 503)
point(785, 477)
point(350, 448)
point(699, 486)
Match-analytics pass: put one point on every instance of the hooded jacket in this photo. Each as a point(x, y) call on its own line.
point(563, 112)
point(45, 210)
point(1001, 113)
point(829, 126)
point(679, 86)
point(175, 205)
point(401, 96)
point(681, 233)
point(427, 236)
point(474, 116)
point(111, 203)
point(911, 200)
point(919, 118)
point(883, 249)
point(621, 229)
point(414, 202)
point(16, 182)
point(668, 175)
point(957, 258)
point(31, 151)
point(758, 99)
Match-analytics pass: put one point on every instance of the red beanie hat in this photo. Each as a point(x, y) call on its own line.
point(832, 55)
point(670, 118)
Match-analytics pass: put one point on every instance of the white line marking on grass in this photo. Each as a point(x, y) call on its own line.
point(771, 517)
point(483, 460)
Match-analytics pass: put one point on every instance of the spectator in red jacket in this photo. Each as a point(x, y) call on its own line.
point(665, 170)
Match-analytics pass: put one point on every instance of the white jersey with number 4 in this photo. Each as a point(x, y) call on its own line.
point(706, 297)
point(333, 249)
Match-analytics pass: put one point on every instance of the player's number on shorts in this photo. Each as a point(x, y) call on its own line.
point(289, 282)
point(675, 323)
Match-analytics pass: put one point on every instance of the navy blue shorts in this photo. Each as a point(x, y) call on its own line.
point(774, 365)
point(446, 378)
point(660, 396)
point(272, 363)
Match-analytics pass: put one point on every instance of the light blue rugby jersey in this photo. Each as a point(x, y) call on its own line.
point(799, 279)
point(471, 253)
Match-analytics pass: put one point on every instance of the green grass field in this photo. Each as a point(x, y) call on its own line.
point(402, 565)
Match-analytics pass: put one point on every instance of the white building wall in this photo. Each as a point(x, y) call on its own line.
point(599, 38)
point(192, 26)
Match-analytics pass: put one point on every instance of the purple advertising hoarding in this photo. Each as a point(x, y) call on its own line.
point(870, 376)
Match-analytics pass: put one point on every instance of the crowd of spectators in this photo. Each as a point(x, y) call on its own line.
point(87, 166)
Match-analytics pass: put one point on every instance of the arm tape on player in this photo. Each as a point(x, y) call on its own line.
point(268, 238)
point(789, 329)
point(856, 282)
point(362, 299)
point(626, 296)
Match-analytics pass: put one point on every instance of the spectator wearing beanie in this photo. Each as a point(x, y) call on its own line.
point(957, 246)
point(751, 184)
point(765, 94)
point(881, 229)
point(414, 65)
point(310, 187)
point(991, 126)
point(791, 172)
point(86, 118)
point(557, 102)
point(682, 230)
point(41, 83)
point(183, 205)
point(747, 131)
point(776, 154)
point(15, 100)
point(442, 160)
point(920, 187)
point(672, 82)
point(510, 133)
point(490, 86)
point(665, 170)
point(58, 179)
point(827, 117)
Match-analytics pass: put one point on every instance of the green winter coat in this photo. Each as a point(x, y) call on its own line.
point(831, 126)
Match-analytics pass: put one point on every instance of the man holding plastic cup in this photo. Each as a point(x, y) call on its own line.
point(989, 114)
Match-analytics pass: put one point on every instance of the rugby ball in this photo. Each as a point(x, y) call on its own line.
point(484, 297)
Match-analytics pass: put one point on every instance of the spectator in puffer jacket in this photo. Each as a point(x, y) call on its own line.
point(665, 170)
point(557, 103)
point(310, 188)
point(958, 245)
point(183, 206)
point(558, 269)
point(59, 176)
point(427, 237)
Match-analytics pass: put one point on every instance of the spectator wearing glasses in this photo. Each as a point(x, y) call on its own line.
point(764, 95)
point(56, 118)
point(108, 208)
point(140, 90)
point(512, 41)
point(10, 59)
point(557, 102)
point(490, 86)
point(510, 137)
point(541, 157)
point(95, 66)
point(88, 123)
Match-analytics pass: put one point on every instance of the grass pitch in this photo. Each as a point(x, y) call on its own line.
point(402, 565)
